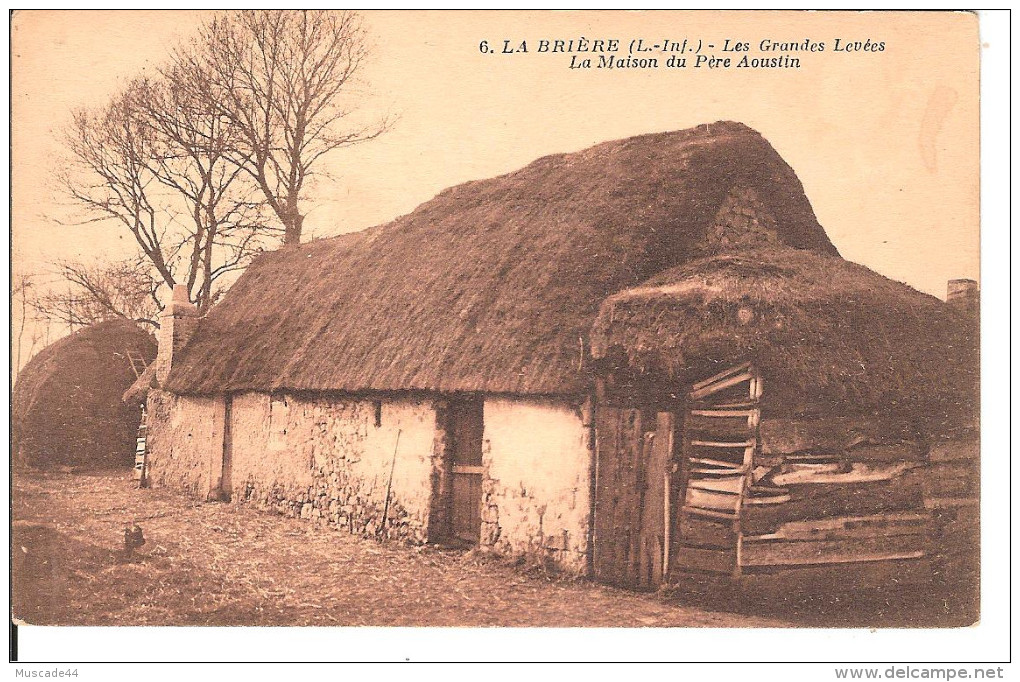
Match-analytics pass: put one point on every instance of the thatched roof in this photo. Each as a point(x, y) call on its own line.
point(137, 392)
point(828, 335)
point(66, 407)
point(490, 285)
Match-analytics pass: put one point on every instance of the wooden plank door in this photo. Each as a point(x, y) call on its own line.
point(466, 429)
point(613, 438)
point(658, 460)
point(634, 453)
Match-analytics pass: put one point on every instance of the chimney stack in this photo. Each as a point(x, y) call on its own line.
point(176, 324)
point(963, 294)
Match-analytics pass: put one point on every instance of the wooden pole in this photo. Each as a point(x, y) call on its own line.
point(389, 486)
point(667, 522)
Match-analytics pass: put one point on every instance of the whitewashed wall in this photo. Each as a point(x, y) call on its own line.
point(185, 441)
point(536, 492)
point(324, 459)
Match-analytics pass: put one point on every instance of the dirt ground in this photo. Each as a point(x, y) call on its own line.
point(222, 564)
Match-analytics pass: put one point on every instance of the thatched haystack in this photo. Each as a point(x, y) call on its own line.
point(66, 409)
point(492, 285)
point(829, 336)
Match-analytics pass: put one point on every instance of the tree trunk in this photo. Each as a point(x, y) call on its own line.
point(21, 331)
point(292, 229)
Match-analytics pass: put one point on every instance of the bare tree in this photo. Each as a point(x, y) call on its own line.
point(226, 226)
point(101, 291)
point(282, 80)
point(22, 291)
point(154, 160)
point(24, 288)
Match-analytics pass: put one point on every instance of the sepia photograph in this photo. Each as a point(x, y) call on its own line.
point(652, 321)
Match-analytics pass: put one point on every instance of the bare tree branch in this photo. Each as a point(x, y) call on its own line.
point(156, 161)
point(100, 291)
point(279, 80)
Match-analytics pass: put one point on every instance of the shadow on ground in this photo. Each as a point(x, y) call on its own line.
point(42, 575)
point(225, 564)
point(950, 599)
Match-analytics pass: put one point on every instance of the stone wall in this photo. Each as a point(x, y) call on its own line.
point(325, 459)
point(742, 221)
point(185, 442)
point(536, 490)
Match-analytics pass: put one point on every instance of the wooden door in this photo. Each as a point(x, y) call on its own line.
point(634, 458)
point(466, 428)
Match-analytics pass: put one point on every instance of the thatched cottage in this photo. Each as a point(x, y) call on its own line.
point(445, 377)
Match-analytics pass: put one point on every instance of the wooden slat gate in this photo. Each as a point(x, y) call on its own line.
point(633, 460)
point(717, 456)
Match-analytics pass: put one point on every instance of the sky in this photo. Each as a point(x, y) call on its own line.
point(884, 142)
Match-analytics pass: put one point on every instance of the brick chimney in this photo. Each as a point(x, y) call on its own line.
point(176, 324)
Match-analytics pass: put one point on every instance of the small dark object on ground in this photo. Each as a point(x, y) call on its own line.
point(133, 539)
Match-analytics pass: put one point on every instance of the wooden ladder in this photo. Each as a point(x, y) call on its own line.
point(140, 449)
point(720, 437)
point(138, 365)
